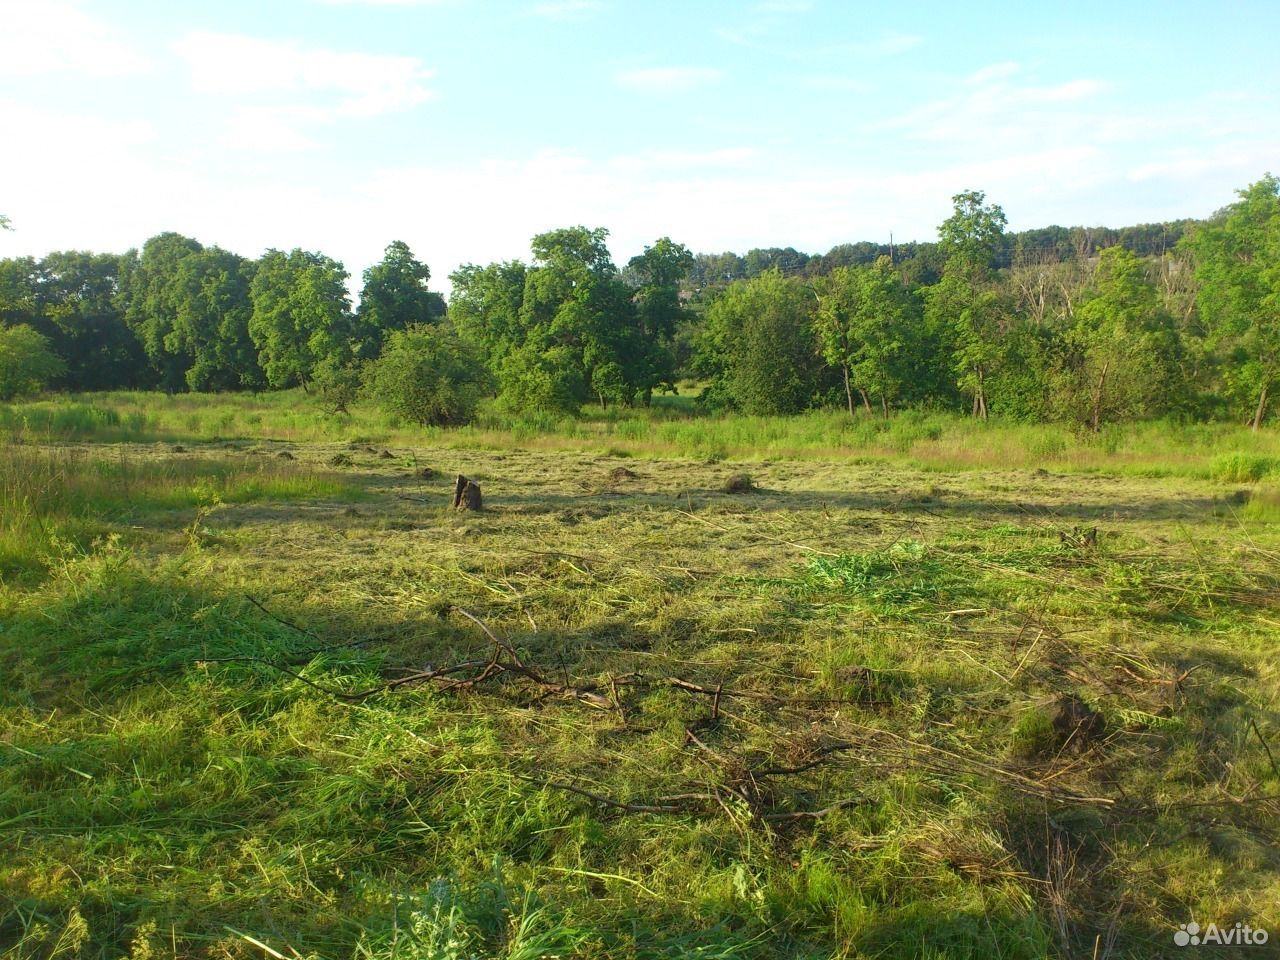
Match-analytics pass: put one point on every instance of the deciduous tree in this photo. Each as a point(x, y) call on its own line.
point(27, 364)
point(1238, 265)
point(761, 333)
point(300, 314)
point(863, 322)
point(395, 296)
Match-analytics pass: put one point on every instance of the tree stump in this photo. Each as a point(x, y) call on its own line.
point(466, 494)
point(1075, 723)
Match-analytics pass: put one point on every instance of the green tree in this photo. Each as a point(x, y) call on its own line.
point(760, 345)
point(300, 314)
point(149, 295)
point(1238, 266)
point(21, 288)
point(189, 307)
point(487, 306)
point(395, 295)
point(657, 275)
point(429, 376)
point(79, 311)
point(1125, 346)
point(574, 300)
point(27, 364)
point(864, 323)
point(967, 302)
point(211, 321)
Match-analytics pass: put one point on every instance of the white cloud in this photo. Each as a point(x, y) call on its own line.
point(997, 112)
point(716, 199)
point(992, 73)
point(359, 84)
point(1239, 162)
point(54, 36)
point(565, 9)
point(667, 79)
point(272, 129)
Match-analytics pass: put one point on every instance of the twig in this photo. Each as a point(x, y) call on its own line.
point(1274, 768)
point(819, 757)
point(279, 619)
point(811, 814)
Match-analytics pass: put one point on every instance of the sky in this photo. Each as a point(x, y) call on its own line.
point(465, 127)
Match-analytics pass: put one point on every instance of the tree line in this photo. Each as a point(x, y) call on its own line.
point(1088, 325)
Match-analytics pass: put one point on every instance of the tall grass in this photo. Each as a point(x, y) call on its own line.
point(672, 427)
point(49, 496)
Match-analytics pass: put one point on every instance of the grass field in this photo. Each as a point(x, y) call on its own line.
point(891, 697)
point(674, 428)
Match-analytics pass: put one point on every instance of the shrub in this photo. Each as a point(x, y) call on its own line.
point(428, 376)
point(337, 383)
point(27, 364)
point(1243, 467)
point(542, 380)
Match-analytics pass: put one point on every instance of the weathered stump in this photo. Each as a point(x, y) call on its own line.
point(466, 494)
point(1075, 723)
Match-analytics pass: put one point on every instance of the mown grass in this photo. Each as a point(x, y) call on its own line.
point(674, 427)
point(165, 791)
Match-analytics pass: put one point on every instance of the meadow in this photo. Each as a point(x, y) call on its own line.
point(689, 686)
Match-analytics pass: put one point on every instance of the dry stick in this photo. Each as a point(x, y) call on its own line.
point(310, 651)
point(517, 666)
point(811, 814)
point(279, 619)
point(820, 757)
point(1175, 682)
point(1274, 768)
point(353, 696)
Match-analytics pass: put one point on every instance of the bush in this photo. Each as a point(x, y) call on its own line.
point(27, 364)
point(337, 383)
point(428, 376)
point(1243, 467)
point(543, 380)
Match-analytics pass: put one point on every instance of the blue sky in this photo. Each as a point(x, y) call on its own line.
point(465, 127)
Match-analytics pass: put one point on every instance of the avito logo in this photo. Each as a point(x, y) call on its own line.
point(1192, 935)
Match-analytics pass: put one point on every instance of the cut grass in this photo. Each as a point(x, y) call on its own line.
point(158, 795)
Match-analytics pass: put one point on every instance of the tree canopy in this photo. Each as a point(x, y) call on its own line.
point(1091, 325)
